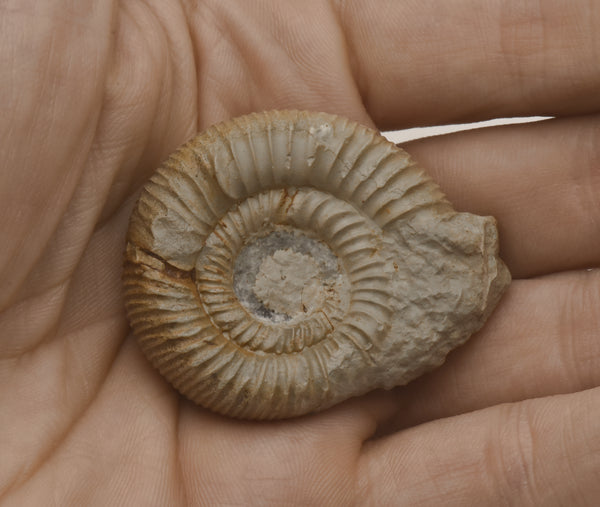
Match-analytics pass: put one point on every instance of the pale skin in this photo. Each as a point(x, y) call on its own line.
point(96, 94)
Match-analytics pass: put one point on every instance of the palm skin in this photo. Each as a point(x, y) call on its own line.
point(96, 94)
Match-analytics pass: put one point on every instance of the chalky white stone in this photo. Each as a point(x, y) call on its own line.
point(282, 262)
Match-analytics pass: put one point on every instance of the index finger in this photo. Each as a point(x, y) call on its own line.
point(432, 62)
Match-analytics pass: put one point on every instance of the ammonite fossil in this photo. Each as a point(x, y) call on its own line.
point(282, 262)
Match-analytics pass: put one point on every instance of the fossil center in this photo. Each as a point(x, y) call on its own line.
point(289, 283)
point(285, 275)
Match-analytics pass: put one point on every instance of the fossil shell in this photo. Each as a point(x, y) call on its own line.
point(282, 262)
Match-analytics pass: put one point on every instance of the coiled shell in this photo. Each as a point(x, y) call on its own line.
point(282, 262)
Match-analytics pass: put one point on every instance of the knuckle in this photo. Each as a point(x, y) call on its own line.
point(577, 328)
point(511, 456)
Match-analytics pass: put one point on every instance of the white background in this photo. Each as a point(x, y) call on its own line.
point(402, 136)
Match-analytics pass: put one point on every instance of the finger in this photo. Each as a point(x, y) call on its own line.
point(537, 452)
point(540, 180)
point(541, 341)
point(429, 62)
point(253, 56)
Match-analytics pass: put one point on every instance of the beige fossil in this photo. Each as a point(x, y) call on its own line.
point(282, 262)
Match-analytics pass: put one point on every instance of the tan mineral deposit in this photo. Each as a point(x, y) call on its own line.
point(282, 262)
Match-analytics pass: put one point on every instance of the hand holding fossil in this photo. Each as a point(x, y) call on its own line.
point(97, 94)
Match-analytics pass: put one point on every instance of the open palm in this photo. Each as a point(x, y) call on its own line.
point(96, 94)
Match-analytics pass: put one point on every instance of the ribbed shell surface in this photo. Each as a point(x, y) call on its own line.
point(403, 278)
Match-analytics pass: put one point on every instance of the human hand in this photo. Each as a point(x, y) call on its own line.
point(96, 94)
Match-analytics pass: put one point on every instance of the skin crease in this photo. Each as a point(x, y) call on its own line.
point(96, 94)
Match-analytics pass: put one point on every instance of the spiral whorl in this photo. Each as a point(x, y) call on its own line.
point(282, 262)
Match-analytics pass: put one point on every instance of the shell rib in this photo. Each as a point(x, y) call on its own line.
point(282, 262)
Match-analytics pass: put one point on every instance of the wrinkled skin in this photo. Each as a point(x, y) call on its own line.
point(96, 94)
